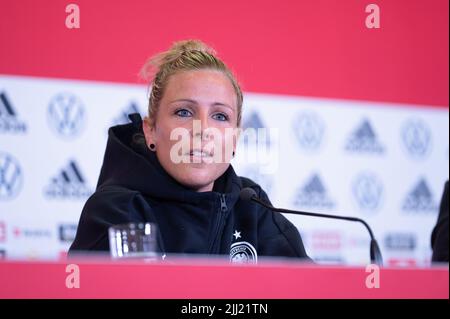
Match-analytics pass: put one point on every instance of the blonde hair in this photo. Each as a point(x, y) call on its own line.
point(187, 55)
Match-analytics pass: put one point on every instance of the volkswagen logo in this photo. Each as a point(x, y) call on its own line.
point(416, 137)
point(66, 115)
point(367, 190)
point(309, 129)
point(10, 177)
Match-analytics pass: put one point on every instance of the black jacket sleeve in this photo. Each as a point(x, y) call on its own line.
point(439, 236)
point(102, 210)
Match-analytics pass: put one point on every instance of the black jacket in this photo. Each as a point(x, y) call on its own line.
point(133, 187)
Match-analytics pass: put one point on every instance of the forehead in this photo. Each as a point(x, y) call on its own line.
point(202, 86)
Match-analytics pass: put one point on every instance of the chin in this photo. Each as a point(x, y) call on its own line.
point(197, 178)
point(196, 181)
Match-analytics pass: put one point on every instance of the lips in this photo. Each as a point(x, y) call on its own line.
point(200, 153)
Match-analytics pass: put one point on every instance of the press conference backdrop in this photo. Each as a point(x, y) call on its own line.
point(384, 158)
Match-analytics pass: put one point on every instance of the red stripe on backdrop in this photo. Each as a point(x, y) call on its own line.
point(311, 48)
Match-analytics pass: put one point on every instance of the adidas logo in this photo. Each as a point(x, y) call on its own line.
point(69, 183)
point(364, 140)
point(122, 118)
point(313, 195)
point(8, 117)
point(420, 199)
point(254, 122)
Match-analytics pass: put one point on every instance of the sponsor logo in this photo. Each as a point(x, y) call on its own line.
point(31, 233)
point(68, 183)
point(416, 137)
point(325, 259)
point(309, 130)
point(254, 124)
point(367, 190)
point(9, 121)
point(420, 199)
point(66, 115)
point(313, 194)
point(243, 252)
point(326, 240)
point(402, 262)
point(399, 241)
point(364, 140)
point(11, 177)
point(67, 232)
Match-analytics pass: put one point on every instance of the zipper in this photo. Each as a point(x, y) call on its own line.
point(220, 219)
point(223, 203)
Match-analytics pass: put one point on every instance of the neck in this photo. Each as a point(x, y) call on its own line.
point(206, 188)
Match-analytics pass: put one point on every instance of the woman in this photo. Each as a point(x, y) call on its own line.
point(188, 187)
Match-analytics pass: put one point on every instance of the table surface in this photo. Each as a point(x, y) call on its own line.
point(211, 279)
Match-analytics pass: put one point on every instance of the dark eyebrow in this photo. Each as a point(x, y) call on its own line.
point(195, 102)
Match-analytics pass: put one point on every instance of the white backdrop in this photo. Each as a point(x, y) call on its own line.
point(382, 162)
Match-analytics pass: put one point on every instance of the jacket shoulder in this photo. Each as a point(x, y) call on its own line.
point(247, 182)
point(106, 207)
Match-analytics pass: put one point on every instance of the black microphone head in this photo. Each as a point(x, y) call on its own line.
point(247, 193)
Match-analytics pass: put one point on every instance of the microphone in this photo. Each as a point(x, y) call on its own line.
point(248, 194)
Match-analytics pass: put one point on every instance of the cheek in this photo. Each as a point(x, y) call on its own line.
point(164, 144)
point(229, 138)
point(163, 135)
point(170, 151)
point(229, 142)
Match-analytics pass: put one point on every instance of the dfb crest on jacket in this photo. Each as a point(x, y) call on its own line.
point(243, 252)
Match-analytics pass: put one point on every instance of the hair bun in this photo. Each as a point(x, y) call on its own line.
point(176, 50)
point(190, 45)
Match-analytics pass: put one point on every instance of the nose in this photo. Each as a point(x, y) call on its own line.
point(201, 125)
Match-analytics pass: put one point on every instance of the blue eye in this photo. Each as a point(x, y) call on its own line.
point(220, 117)
point(183, 113)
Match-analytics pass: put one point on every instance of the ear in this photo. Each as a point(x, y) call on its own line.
point(149, 131)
